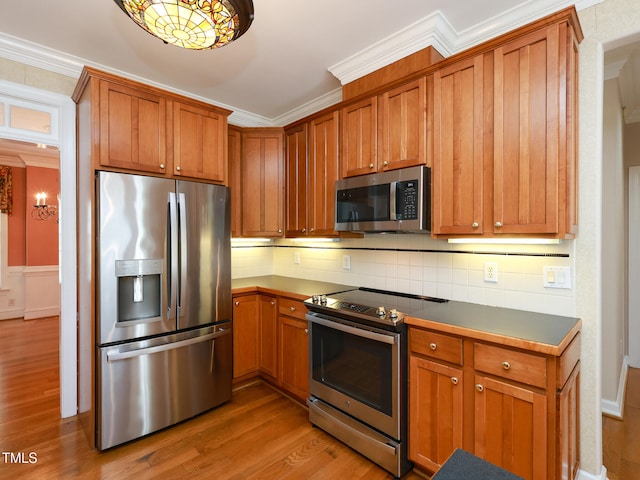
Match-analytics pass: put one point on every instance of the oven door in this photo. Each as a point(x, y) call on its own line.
point(356, 369)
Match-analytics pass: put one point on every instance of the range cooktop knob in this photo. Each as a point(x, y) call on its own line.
point(393, 313)
point(323, 299)
point(315, 298)
point(381, 311)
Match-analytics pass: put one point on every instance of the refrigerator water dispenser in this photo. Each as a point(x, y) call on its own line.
point(139, 290)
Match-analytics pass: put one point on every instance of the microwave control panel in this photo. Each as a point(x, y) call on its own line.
point(407, 200)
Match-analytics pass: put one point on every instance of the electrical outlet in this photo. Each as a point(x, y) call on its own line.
point(491, 272)
point(12, 302)
point(346, 262)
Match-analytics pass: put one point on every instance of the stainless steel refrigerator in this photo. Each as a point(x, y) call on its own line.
point(163, 311)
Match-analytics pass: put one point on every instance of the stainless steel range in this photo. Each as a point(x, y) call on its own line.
point(358, 371)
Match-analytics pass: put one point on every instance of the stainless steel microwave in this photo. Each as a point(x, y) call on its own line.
point(391, 201)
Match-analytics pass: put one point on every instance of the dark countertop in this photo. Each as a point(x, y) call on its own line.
point(540, 332)
point(298, 287)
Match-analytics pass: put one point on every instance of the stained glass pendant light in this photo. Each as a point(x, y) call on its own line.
point(193, 24)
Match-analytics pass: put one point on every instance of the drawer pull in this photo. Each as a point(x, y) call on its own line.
point(237, 303)
point(293, 309)
point(306, 330)
point(479, 387)
point(475, 225)
point(506, 365)
point(454, 380)
point(272, 302)
point(433, 346)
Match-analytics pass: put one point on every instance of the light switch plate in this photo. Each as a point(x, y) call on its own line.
point(556, 277)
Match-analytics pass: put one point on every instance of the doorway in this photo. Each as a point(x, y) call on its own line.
point(17, 102)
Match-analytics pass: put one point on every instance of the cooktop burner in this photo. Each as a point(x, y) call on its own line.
point(376, 307)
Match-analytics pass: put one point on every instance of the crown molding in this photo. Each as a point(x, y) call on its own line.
point(324, 101)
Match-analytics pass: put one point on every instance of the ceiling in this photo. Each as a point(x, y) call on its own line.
point(289, 64)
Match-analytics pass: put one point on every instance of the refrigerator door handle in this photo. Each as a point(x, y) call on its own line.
point(115, 355)
point(182, 209)
point(172, 253)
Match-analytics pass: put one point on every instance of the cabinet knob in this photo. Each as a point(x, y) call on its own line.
point(433, 346)
point(306, 330)
point(506, 365)
point(279, 230)
point(237, 303)
point(313, 229)
point(162, 166)
point(272, 302)
point(498, 224)
point(178, 168)
point(385, 163)
point(479, 387)
point(371, 165)
point(304, 230)
point(475, 225)
point(454, 380)
point(293, 309)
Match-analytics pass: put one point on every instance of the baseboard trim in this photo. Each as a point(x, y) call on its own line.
point(582, 475)
point(616, 408)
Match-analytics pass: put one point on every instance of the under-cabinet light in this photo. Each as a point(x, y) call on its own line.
point(508, 241)
point(315, 240)
point(240, 241)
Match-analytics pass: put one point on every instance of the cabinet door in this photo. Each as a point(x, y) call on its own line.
point(269, 336)
point(526, 127)
point(133, 129)
point(359, 138)
point(568, 405)
point(199, 143)
point(246, 315)
point(296, 182)
point(262, 184)
point(402, 126)
point(324, 170)
point(435, 412)
point(294, 356)
point(458, 148)
point(235, 179)
point(511, 427)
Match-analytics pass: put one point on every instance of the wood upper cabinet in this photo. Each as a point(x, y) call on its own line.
point(458, 170)
point(199, 143)
point(262, 182)
point(296, 185)
point(402, 126)
point(234, 149)
point(360, 138)
point(534, 133)
point(132, 128)
point(324, 170)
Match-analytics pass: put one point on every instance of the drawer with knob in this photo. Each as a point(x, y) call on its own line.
point(436, 345)
point(292, 308)
point(515, 365)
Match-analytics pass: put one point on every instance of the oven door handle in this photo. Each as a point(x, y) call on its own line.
point(359, 332)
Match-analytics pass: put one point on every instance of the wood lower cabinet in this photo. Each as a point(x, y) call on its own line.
point(268, 336)
point(435, 411)
point(294, 348)
point(246, 318)
point(514, 407)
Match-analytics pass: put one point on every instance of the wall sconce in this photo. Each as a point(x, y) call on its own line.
point(42, 211)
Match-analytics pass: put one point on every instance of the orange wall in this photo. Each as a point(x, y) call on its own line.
point(41, 236)
point(16, 222)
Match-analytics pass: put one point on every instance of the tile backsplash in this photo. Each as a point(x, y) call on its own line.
point(421, 265)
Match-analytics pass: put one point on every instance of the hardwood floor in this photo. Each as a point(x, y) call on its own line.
point(621, 438)
point(260, 434)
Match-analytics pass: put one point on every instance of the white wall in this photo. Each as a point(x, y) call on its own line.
point(613, 251)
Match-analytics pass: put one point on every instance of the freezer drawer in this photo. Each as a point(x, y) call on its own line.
point(148, 385)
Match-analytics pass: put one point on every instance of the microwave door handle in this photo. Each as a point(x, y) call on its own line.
point(172, 254)
point(392, 201)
